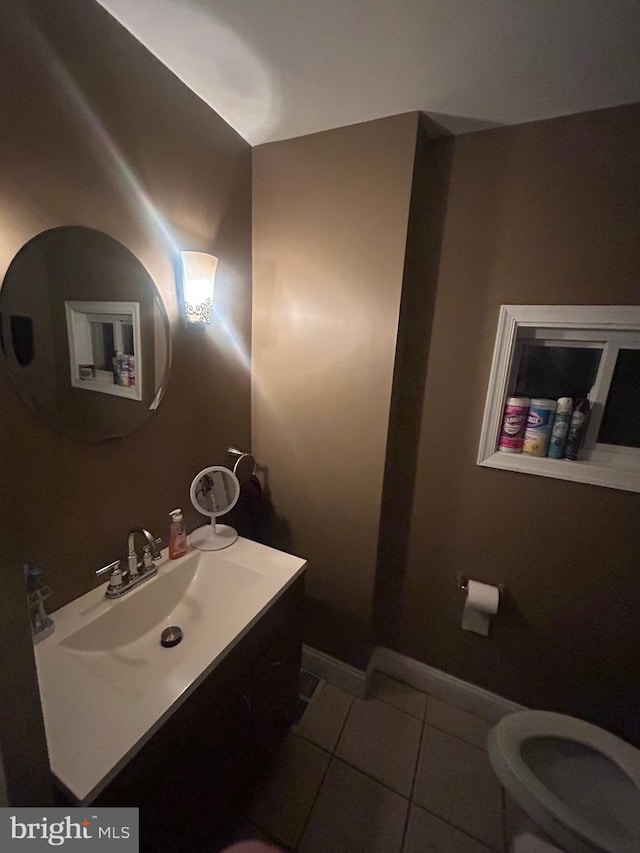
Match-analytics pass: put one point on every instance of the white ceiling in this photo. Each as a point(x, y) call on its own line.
point(274, 69)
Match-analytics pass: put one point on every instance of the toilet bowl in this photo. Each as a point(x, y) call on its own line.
point(579, 784)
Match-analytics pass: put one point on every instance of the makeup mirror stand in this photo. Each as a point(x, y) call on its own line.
point(224, 489)
point(213, 537)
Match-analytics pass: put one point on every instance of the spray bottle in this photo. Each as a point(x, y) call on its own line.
point(560, 428)
point(577, 429)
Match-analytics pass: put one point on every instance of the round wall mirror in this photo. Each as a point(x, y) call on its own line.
point(214, 491)
point(84, 333)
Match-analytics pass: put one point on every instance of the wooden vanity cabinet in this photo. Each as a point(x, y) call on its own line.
point(275, 678)
point(195, 775)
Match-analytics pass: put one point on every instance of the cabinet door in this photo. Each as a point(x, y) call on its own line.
point(189, 779)
point(276, 679)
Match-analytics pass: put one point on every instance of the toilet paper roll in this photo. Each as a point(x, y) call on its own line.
point(481, 604)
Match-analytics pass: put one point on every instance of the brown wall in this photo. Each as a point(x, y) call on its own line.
point(541, 213)
point(23, 749)
point(330, 221)
point(419, 289)
point(92, 124)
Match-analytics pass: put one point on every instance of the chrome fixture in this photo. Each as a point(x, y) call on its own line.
point(132, 560)
point(239, 456)
point(462, 582)
point(121, 582)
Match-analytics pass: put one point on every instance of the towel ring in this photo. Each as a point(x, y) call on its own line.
point(240, 455)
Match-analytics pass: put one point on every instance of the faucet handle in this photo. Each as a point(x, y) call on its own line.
point(156, 548)
point(108, 568)
point(115, 573)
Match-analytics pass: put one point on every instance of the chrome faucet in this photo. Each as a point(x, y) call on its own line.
point(121, 582)
point(132, 558)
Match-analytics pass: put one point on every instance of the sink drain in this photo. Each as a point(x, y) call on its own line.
point(171, 636)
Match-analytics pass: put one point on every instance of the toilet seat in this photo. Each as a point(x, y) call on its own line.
point(565, 750)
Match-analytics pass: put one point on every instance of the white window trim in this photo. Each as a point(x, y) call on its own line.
point(601, 469)
point(79, 316)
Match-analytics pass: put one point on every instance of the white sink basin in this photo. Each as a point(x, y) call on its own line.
point(138, 612)
point(107, 683)
point(122, 645)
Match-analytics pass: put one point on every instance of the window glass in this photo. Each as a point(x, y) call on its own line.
point(127, 338)
point(621, 419)
point(556, 371)
point(102, 344)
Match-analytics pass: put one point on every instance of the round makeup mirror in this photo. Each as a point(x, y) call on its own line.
point(214, 491)
point(84, 333)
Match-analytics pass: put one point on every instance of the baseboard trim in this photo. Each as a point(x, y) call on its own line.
point(469, 697)
point(448, 688)
point(348, 678)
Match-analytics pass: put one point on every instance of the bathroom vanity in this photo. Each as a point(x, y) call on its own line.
point(184, 732)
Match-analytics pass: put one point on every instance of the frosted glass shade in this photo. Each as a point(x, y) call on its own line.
point(198, 277)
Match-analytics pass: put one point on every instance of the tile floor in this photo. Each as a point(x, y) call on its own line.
point(400, 772)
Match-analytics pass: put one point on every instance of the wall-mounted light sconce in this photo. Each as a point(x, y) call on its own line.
point(198, 277)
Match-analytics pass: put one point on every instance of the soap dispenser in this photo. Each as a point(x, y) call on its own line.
point(177, 535)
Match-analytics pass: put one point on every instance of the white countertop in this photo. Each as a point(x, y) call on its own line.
point(107, 684)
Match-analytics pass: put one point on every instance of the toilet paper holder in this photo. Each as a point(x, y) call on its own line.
point(462, 582)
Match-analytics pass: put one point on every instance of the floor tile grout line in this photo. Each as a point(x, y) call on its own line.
point(364, 772)
point(403, 710)
point(410, 801)
point(423, 733)
point(391, 705)
point(458, 829)
point(324, 775)
point(344, 725)
point(413, 780)
point(299, 837)
point(457, 737)
point(369, 776)
point(373, 779)
point(440, 817)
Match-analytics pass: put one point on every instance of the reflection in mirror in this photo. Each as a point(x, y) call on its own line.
point(105, 348)
point(79, 313)
point(214, 491)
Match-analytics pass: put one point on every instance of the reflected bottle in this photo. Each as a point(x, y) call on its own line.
point(115, 361)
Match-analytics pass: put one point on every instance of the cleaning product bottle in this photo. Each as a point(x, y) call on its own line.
point(538, 429)
point(577, 429)
point(560, 428)
point(177, 535)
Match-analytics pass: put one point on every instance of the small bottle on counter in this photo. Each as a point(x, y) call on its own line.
point(514, 422)
point(177, 535)
point(577, 429)
point(560, 428)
